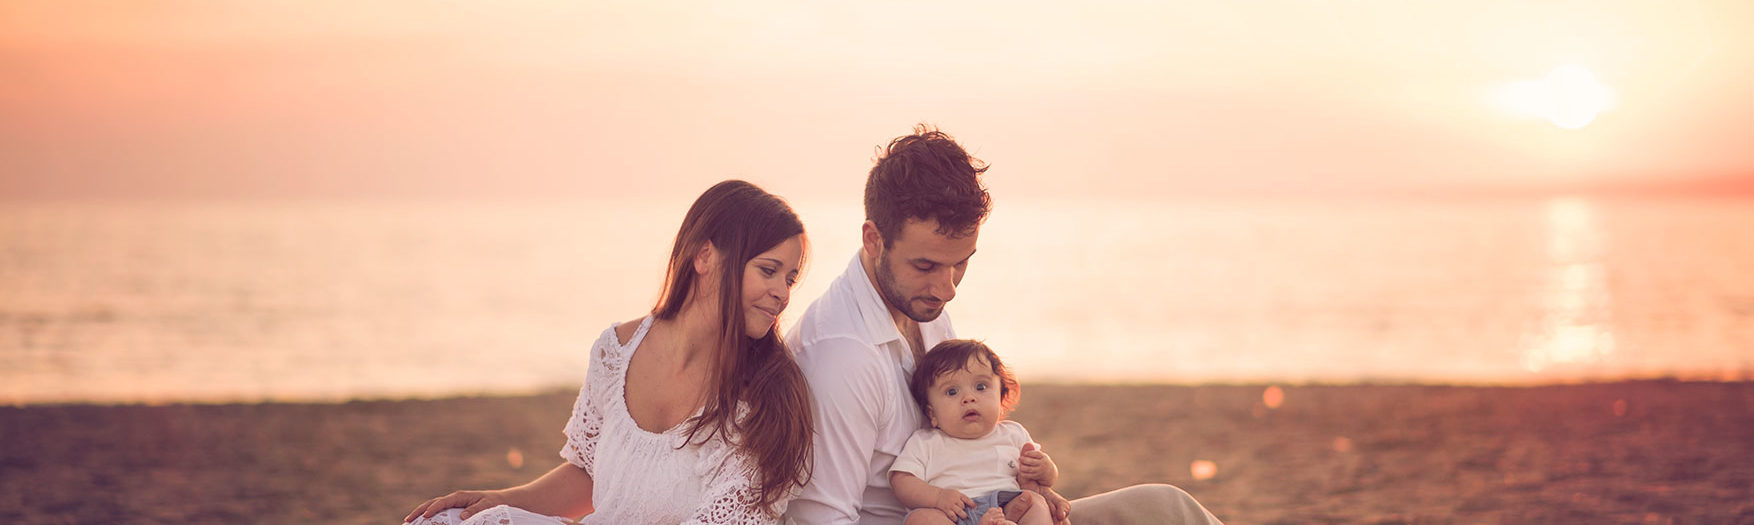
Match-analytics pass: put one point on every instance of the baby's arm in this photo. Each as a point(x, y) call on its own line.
point(1036, 472)
point(1037, 467)
point(917, 494)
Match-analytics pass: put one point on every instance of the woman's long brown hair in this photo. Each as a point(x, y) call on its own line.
point(741, 221)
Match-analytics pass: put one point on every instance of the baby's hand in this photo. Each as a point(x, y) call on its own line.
point(1033, 464)
point(952, 503)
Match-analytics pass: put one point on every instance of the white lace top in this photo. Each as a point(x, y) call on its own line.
point(639, 476)
point(644, 477)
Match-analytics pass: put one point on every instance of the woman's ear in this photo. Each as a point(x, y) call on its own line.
point(706, 260)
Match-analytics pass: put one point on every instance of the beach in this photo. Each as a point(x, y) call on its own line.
point(1624, 452)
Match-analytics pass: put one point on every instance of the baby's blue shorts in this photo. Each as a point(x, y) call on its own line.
point(995, 499)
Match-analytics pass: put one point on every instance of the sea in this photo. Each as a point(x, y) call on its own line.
point(168, 302)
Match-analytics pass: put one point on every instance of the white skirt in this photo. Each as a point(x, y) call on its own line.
point(501, 515)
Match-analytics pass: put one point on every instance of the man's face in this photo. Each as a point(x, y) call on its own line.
point(918, 273)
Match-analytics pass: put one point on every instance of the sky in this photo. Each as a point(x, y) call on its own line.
point(1105, 99)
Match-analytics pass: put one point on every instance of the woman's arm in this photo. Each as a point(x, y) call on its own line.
point(564, 491)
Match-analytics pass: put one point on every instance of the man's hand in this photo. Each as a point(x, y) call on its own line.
point(953, 504)
point(1035, 465)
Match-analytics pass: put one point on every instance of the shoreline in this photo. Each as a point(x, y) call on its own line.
point(1722, 378)
point(1632, 451)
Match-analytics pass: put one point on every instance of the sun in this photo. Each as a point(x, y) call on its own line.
point(1570, 97)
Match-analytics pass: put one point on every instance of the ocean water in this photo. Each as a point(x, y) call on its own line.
point(158, 302)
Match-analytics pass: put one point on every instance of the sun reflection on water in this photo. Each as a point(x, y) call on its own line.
point(1273, 397)
point(1203, 469)
point(1574, 327)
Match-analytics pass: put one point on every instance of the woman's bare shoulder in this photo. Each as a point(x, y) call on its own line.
point(624, 331)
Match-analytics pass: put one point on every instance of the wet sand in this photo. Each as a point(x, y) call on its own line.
point(1633, 452)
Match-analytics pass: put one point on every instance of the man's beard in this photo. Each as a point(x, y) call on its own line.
point(887, 288)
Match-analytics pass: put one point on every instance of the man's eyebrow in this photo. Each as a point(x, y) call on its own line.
point(918, 260)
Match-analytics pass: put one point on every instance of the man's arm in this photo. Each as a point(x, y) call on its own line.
point(846, 387)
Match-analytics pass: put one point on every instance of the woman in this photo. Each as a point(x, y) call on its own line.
point(695, 413)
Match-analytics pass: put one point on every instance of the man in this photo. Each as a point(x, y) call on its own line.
point(858, 343)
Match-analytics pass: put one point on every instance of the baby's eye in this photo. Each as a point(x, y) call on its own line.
point(950, 392)
point(981, 387)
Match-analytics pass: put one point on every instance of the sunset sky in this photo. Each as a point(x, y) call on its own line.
point(418, 99)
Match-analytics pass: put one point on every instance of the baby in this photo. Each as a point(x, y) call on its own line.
point(972, 467)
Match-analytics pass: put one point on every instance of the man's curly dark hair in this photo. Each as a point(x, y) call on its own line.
point(926, 176)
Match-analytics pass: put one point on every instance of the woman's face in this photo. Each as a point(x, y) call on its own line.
point(767, 285)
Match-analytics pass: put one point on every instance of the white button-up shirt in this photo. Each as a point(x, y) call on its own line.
point(857, 364)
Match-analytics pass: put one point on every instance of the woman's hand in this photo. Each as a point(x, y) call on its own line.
point(472, 501)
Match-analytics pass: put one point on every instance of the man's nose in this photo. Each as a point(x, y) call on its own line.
point(944, 284)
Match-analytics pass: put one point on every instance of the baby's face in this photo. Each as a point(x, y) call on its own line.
point(965, 402)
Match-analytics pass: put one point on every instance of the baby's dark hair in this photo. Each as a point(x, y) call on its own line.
point(956, 354)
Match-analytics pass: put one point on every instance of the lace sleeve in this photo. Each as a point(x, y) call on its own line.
point(586, 424)
point(582, 431)
point(730, 495)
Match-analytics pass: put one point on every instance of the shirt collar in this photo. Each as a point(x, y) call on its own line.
point(880, 329)
point(879, 326)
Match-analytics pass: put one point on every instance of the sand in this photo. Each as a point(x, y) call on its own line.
point(1634, 452)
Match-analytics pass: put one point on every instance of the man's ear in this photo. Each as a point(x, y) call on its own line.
point(870, 239)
